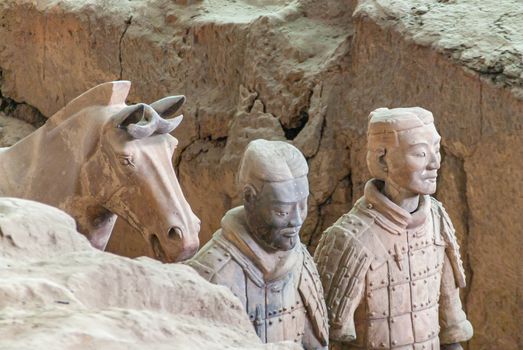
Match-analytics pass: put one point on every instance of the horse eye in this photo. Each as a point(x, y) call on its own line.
point(126, 161)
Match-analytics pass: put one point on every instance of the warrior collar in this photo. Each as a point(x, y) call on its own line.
point(390, 216)
point(273, 265)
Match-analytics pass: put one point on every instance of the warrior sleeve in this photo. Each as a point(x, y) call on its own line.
point(342, 263)
point(455, 327)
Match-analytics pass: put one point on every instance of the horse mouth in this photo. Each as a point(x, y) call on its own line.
point(158, 251)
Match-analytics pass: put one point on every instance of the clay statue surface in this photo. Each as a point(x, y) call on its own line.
point(97, 159)
point(257, 252)
point(391, 267)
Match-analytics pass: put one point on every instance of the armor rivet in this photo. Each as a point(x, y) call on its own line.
point(393, 289)
point(390, 251)
point(369, 206)
point(284, 309)
point(382, 281)
point(371, 284)
point(417, 244)
point(280, 310)
point(382, 344)
point(415, 316)
point(372, 344)
point(384, 313)
point(369, 295)
point(351, 221)
point(422, 252)
point(392, 320)
point(280, 320)
point(414, 305)
point(219, 259)
point(394, 342)
point(414, 274)
point(392, 279)
point(297, 303)
point(407, 278)
point(270, 322)
point(292, 307)
point(293, 317)
point(425, 281)
point(411, 253)
point(403, 249)
point(410, 246)
point(354, 230)
point(227, 254)
point(413, 283)
point(373, 313)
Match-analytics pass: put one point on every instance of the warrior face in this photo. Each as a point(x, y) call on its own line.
point(276, 213)
point(414, 162)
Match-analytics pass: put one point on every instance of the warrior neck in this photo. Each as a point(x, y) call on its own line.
point(406, 200)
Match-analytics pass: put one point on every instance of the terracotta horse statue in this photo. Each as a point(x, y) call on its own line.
point(98, 159)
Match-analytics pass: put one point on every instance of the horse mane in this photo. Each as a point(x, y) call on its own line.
point(106, 94)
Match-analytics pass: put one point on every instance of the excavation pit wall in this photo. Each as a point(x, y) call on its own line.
point(308, 73)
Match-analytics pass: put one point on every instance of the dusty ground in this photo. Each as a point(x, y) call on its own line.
point(309, 72)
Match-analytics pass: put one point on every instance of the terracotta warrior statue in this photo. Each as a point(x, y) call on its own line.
point(391, 267)
point(257, 252)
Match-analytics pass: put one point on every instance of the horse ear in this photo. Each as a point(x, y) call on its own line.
point(130, 115)
point(168, 106)
point(139, 120)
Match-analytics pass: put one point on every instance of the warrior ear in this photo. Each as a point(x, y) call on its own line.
point(168, 106)
point(377, 163)
point(249, 196)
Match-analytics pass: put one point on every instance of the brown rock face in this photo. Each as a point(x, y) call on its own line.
point(58, 292)
point(308, 72)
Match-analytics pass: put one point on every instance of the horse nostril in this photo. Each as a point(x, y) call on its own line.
point(175, 233)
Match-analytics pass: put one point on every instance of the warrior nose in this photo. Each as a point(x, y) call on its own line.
point(296, 219)
point(175, 233)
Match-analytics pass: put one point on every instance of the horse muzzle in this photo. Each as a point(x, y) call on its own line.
point(175, 246)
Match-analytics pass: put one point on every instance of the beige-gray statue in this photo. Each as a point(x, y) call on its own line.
point(257, 253)
point(391, 267)
point(97, 159)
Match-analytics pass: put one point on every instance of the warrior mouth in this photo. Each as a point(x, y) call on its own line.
point(431, 179)
point(290, 233)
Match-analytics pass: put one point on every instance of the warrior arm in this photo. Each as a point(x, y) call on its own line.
point(342, 263)
point(455, 327)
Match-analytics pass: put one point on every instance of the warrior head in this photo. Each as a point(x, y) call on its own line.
point(273, 179)
point(403, 150)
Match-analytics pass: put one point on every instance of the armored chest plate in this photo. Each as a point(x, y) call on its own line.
point(277, 310)
point(402, 294)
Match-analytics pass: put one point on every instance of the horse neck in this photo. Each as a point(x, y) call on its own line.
point(46, 165)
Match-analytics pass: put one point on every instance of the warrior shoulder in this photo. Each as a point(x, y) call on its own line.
point(343, 246)
point(211, 260)
point(447, 233)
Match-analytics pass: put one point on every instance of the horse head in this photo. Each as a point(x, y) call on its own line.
point(135, 178)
